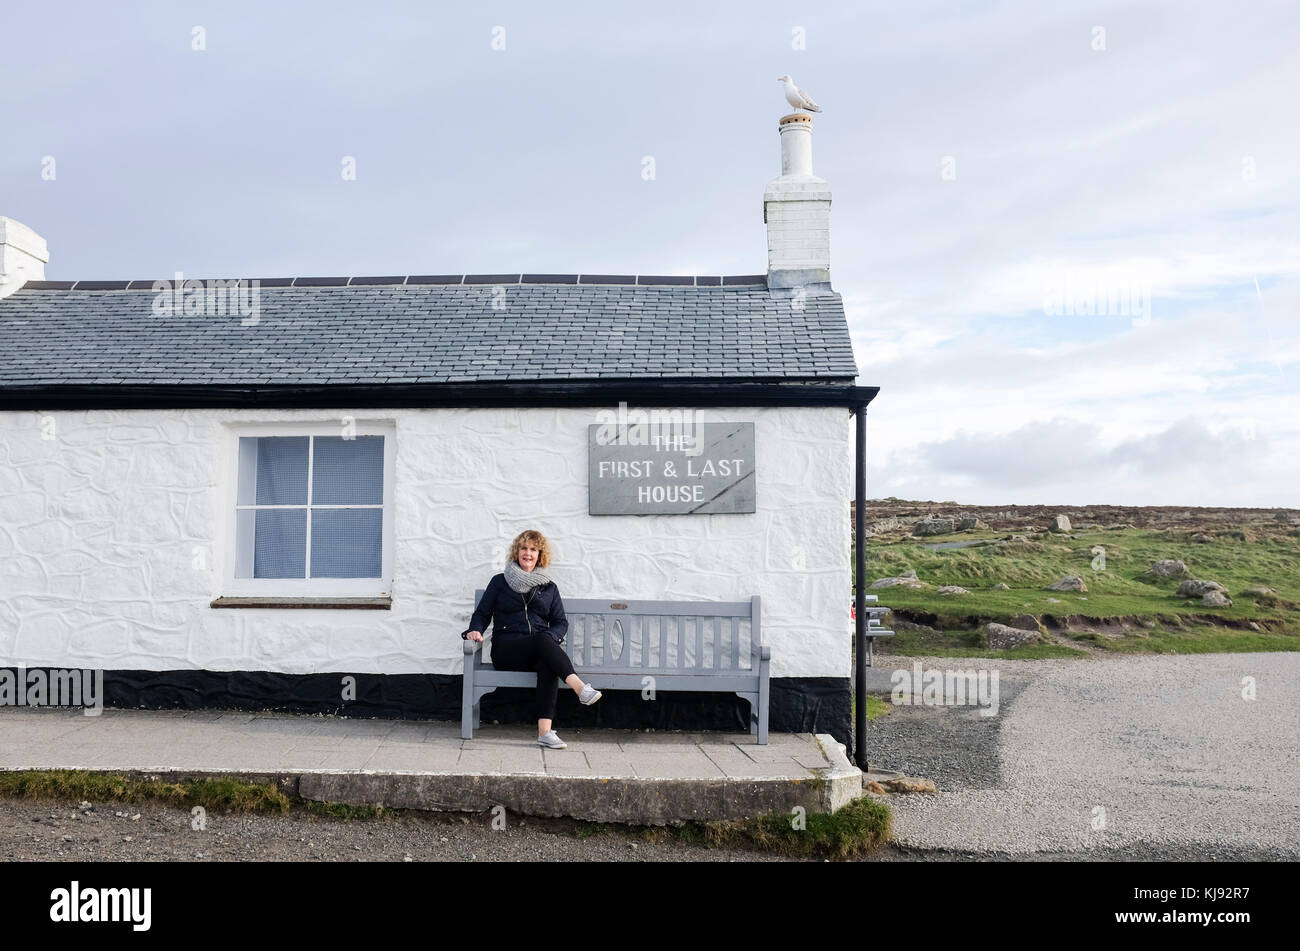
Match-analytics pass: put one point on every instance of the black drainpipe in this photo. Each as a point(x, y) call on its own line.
point(859, 589)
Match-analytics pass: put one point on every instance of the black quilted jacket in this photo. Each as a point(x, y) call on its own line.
point(539, 611)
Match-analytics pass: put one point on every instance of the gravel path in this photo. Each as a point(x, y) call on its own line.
point(1140, 756)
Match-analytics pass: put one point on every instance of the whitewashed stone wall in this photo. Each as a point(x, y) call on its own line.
point(102, 525)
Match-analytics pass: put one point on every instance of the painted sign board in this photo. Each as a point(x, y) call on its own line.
point(705, 468)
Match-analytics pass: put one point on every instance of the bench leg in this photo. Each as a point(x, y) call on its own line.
point(871, 652)
point(468, 700)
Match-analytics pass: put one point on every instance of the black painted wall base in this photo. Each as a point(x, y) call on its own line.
point(798, 704)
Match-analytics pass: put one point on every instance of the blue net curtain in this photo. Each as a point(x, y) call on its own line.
point(345, 501)
point(347, 542)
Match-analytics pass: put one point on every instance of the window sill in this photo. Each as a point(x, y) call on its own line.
point(374, 604)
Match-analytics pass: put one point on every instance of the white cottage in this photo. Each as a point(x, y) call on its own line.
point(282, 494)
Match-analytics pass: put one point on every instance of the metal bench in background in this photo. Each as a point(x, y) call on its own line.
point(616, 645)
point(875, 626)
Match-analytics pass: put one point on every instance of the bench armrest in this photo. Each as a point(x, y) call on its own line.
point(472, 646)
point(760, 651)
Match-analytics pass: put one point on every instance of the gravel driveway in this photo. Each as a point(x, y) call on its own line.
point(1147, 757)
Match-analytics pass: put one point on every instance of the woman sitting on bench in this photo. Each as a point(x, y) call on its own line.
point(528, 627)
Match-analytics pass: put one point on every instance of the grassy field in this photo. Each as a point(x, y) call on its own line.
point(1123, 610)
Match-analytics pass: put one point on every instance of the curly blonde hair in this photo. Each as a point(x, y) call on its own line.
point(533, 539)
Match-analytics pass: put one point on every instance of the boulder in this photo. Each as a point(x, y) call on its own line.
point(1167, 568)
point(1202, 538)
point(907, 579)
point(953, 589)
point(1014, 544)
point(934, 525)
point(1216, 599)
point(1060, 524)
point(884, 525)
point(1001, 586)
point(1068, 583)
point(1193, 588)
point(1257, 592)
point(1003, 638)
point(968, 523)
point(1027, 622)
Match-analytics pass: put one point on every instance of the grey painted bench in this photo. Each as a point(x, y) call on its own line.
point(615, 645)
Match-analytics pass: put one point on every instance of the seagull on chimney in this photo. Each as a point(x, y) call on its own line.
point(797, 97)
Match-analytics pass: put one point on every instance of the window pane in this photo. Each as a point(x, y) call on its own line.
point(280, 543)
point(346, 543)
point(348, 471)
point(282, 470)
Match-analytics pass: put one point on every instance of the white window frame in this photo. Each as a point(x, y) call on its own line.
point(306, 587)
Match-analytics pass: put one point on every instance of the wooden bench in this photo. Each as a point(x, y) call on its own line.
point(616, 645)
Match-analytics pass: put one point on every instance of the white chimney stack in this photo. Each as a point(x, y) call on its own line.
point(22, 256)
point(797, 209)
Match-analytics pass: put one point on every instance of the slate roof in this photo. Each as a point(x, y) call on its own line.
point(433, 329)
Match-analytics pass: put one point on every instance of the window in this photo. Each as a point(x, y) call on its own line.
point(312, 511)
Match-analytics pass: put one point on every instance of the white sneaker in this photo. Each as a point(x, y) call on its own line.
point(589, 695)
point(551, 741)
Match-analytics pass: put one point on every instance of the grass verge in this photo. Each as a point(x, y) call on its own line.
point(857, 828)
point(219, 794)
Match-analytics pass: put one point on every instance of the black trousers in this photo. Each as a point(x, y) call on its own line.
point(541, 653)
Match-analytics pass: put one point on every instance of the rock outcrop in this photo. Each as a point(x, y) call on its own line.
point(1001, 637)
point(1194, 588)
point(907, 579)
point(934, 525)
point(1167, 568)
point(1027, 622)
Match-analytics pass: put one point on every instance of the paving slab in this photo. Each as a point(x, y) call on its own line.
point(603, 775)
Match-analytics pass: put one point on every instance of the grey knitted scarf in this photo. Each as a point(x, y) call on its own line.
point(524, 581)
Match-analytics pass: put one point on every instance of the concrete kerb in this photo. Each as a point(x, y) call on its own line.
point(640, 801)
point(630, 801)
point(633, 801)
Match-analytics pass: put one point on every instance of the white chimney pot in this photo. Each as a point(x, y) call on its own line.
point(797, 210)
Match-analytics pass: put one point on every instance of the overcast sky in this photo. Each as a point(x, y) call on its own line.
point(998, 169)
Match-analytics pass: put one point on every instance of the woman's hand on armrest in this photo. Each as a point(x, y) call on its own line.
point(475, 635)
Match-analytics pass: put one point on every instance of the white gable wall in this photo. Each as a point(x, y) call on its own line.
point(112, 539)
